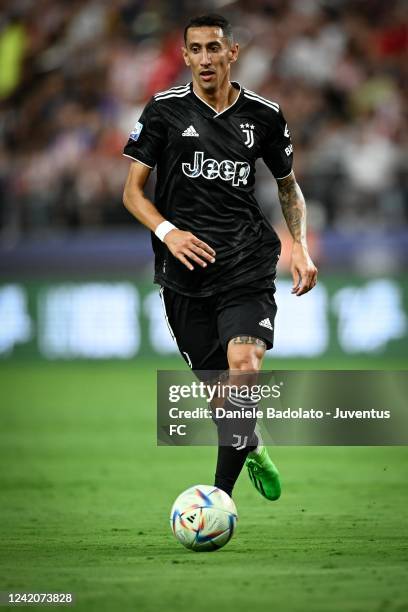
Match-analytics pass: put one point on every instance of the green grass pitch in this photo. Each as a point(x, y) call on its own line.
point(86, 495)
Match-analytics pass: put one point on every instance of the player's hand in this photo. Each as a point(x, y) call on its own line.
point(304, 272)
point(187, 248)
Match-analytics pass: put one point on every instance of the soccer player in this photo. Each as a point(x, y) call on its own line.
point(215, 254)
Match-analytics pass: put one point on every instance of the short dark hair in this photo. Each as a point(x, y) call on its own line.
point(210, 20)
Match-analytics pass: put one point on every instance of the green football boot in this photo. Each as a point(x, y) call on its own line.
point(264, 474)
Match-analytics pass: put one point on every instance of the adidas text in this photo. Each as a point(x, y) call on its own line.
point(190, 131)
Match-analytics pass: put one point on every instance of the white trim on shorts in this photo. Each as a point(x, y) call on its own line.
point(161, 293)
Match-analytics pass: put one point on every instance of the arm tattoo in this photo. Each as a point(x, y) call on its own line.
point(293, 207)
point(248, 340)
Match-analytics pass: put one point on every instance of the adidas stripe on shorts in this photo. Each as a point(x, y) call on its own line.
point(203, 327)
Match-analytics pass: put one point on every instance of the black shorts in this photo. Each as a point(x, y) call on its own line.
point(202, 327)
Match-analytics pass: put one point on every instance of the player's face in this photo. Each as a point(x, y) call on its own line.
point(209, 55)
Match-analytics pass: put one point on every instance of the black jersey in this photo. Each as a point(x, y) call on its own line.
point(205, 183)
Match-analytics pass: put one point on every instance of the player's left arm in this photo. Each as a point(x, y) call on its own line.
point(303, 270)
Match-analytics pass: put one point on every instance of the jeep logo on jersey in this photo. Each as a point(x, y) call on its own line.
point(227, 170)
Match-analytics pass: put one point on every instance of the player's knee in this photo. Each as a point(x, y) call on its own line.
point(244, 363)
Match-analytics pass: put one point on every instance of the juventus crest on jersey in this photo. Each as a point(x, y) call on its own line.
point(205, 180)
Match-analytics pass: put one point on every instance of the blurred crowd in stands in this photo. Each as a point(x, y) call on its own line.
point(75, 75)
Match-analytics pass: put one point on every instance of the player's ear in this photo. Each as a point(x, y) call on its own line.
point(233, 52)
point(185, 56)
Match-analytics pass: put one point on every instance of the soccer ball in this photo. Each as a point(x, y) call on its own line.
point(203, 518)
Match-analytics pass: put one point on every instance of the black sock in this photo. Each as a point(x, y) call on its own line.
point(229, 465)
point(231, 459)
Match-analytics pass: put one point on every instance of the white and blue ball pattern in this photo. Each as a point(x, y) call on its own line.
point(203, 518)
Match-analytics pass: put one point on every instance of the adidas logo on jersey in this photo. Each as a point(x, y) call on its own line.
point(190, 131)
point(266, 323)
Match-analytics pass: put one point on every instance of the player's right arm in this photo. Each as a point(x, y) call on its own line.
point(183, 245)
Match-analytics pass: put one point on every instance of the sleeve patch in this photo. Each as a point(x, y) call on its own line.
point(135, 133)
